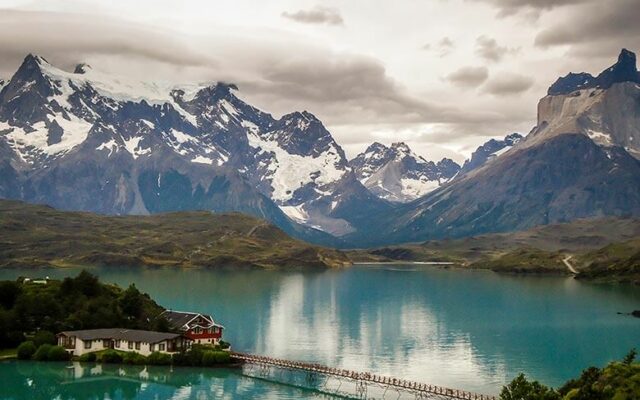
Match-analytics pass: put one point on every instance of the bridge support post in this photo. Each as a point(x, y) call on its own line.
point(361, 389)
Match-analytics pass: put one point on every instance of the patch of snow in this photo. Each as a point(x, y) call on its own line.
point(148, 123)
point(181, 137)
point(202, 160)
point(600, 137)
point(289, 172)
point(75, 131)
point(296, 213)
point(501, 151)
point(250, 126)
point(111, 145)
point(118, 88)
point(133, 147)
point(414, 188)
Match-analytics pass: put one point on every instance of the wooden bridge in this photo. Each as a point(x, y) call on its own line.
point(364, 381)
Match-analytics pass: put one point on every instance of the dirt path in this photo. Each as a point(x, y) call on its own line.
point(569, 266)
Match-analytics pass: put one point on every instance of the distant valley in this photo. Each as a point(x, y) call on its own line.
point(606, 249)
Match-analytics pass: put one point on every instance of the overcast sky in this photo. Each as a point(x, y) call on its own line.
point(441, 75)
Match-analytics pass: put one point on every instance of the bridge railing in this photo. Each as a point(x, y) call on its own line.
point(403, 384)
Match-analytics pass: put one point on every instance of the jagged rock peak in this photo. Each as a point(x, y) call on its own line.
point(34, 59)
point(401, 147)
point(375, 147)
point(82, 68)
point(624, 70)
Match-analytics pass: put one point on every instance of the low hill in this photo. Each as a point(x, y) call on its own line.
point(603, 248)
point(33, 235)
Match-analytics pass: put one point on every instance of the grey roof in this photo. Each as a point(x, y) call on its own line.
point(132, 335)
point(180, 318)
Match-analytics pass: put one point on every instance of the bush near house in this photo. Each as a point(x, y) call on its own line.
point(42, 354)
point(26, 350)
point(109, 357)
point(57, 353)
point(157, 358)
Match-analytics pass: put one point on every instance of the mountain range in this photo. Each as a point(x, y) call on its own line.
point(85, 140)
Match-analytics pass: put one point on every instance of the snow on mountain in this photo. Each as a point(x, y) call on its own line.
point(132, 132)
point(397, 174)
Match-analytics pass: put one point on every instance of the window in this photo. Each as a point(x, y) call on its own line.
point(117, 345)
point(215, 329)
point(152, 347)
point(87, 344)
point(130, 344)
point(161, 346)
point(197, 330)
point(137, 345)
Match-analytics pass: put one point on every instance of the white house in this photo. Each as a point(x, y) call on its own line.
point(144, 342)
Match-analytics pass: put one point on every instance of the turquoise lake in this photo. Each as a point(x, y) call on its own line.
point(473, 330)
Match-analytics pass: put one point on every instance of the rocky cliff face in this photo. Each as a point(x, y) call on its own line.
point(580, 161)
point(397, 174)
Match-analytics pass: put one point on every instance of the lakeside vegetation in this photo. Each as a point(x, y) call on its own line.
point(619, 380)
point(36, 236)
point(606, 249)
point(32, 310)
point(36, 309)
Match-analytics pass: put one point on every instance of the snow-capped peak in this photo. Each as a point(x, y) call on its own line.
point(396, 173)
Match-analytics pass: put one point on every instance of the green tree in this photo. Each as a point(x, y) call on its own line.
point(42, 337)
point(9, 292)
point(161, 324)
point(521, 389)
point(630, 357)
point(87, 283)
point(131, 302)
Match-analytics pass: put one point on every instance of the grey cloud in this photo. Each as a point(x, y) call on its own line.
point(489, 49)
point(442, 47)
point(349, 90)
point(317, 15)
point(469, 76)
point(510, 7)
point(508, 84)
point(66, 39)
point(596, 25)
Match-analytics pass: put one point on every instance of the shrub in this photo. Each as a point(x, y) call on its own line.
point(224, 345)
point(111, 357)
point(26, 350)
point(57, 353)
point(215, 357)
point(134, 358)
point(44, 337)
point(157, 358)
point(87, 357)
point(42, 354)
point(180, 359)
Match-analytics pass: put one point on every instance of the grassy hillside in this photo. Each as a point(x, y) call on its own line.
point(607, 249)
point(33, 235)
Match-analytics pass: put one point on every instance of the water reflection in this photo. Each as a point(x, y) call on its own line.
point(469, 329)
point(32, 380)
